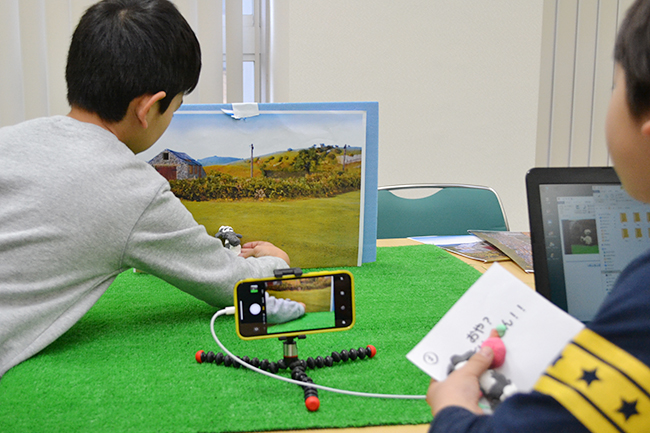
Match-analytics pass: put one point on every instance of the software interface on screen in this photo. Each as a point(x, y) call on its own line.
point(591, 233)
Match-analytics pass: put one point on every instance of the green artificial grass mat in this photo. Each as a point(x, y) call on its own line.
point(129, 364)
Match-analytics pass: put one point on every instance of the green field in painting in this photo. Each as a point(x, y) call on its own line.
point(318, 232)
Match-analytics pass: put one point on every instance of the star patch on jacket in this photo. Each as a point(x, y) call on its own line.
point(603, 386)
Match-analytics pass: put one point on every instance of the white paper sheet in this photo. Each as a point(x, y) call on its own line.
point(537, 330)
point(446, 240)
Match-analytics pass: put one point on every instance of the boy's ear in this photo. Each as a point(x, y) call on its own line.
point(144, 104)
point(645, 127)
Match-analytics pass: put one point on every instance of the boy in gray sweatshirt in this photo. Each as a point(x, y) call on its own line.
point(77, 207)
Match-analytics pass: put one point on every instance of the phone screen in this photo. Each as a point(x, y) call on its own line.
point(289, 306)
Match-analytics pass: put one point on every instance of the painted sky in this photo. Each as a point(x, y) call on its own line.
point(202, 134)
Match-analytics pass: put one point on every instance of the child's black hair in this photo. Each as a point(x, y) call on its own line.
point(632, 53)
point(123, 49)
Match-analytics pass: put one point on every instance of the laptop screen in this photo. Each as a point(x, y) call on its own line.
point(585, 229)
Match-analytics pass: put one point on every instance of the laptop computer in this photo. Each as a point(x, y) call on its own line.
point(584, 230)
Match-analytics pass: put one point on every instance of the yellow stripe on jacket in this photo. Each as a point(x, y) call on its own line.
point(603, 386)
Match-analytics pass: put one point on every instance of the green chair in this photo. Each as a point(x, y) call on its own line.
point(446, 209)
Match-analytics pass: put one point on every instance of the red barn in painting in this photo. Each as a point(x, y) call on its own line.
point(177, 165)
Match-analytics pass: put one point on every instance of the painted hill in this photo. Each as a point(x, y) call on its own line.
point(217, 160)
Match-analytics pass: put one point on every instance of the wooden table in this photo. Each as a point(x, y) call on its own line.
point(509, 265)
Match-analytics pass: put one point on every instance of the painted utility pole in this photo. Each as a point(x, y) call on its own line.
point(252, 147)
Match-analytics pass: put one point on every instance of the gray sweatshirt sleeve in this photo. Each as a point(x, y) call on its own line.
point(168, 243)
point(282, 310)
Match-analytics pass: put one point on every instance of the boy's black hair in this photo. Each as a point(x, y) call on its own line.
point(123, 49)
point(632, 53)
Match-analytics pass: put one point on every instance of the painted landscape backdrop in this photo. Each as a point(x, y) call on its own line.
point(306, 200)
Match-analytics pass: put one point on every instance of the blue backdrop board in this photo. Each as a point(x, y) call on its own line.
point(300, 175)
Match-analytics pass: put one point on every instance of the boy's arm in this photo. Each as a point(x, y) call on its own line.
point(167, 242)
point(454, 404)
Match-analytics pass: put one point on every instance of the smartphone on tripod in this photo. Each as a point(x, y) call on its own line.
point(294, 305)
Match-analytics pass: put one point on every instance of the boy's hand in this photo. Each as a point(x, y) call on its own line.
point(260, 249)
point(461, 388)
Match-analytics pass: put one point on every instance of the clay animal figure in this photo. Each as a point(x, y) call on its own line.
point(230, 239)
point(494, 385)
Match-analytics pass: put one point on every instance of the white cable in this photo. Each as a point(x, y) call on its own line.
point(231, 310)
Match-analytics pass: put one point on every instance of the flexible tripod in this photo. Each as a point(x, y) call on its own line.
point(292, 362)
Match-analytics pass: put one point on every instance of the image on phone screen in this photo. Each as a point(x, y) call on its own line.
point(276, 307)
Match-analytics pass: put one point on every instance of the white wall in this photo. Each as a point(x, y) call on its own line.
point(457, 80)
point(457, 83)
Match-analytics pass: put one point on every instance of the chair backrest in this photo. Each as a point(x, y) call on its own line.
point(450, 210)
